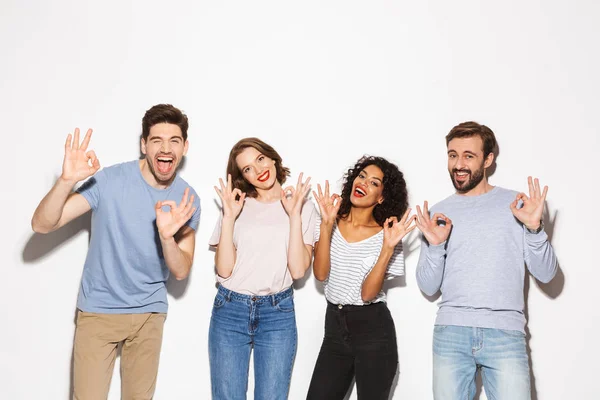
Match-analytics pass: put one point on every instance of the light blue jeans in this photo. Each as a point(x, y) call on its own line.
point(501, 355)
point(239, 323)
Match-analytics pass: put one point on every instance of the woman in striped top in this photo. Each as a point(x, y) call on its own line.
point(359, 245)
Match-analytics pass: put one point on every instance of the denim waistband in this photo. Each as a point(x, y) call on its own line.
point(350, 307)
point(230, 295)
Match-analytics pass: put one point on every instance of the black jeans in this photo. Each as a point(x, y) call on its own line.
point(361, 341)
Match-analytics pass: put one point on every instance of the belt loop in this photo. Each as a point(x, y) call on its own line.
point(273, 300)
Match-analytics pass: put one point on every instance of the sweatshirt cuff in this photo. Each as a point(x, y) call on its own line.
point(539, 237)
point(437, 250)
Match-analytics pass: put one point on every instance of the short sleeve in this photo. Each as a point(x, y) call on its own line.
point(195, 220)
point(317, 234)
point(216, 235)
point(91, 189)
point(309, 221)
point(396, 264)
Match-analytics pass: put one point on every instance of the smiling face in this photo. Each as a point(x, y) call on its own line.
point(467, 164)
point(256, 168)
point(164, 149)
point(367, 188)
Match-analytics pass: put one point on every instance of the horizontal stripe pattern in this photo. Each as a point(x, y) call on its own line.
point(352, 262)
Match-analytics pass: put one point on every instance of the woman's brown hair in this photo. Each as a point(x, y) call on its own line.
point(237, 177)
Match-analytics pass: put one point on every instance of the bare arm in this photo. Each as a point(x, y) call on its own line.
point(178, 252)
point(60, 205)
point(233, 202)
point(374, 281)
point(392, 236)
point(299, 254)
point(177, 240)
point(226, 253)
point(329, 206)
point(322, 262)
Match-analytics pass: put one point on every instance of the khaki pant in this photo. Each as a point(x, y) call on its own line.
point(97, 337)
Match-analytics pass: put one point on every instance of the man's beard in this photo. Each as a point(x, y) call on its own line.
point(474, 178)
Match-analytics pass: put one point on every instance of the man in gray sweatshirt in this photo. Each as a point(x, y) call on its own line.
point(475, 247)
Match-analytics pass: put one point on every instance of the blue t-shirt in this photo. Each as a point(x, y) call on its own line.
point(125, 271)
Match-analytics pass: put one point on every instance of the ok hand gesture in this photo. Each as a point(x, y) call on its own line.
point(76, 164)
point(434, 233)
point(231, 199)
point(328, 205)
point(533, 206)
point(293, 203)
point(392, 235)
point(169, 222)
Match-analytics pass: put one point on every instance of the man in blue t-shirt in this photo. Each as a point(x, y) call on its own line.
point(475, 246)
point(144, 218)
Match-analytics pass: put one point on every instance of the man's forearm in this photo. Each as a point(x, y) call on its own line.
point(48, 213)
point(430, 268)
point(540, 257)
point(178, 262)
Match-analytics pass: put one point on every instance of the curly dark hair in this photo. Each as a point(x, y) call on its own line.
point(395, 194)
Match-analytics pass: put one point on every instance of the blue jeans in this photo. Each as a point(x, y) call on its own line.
point(241, 322)
point(501, 355)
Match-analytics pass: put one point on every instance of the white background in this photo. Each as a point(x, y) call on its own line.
point(324, 82)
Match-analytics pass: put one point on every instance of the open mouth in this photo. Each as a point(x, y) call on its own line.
point(461, 176)
point(264, 176)
point(358, 192)
point(165, 164)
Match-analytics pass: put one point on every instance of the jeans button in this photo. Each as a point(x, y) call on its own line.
point(340, 306)
point(254, 298)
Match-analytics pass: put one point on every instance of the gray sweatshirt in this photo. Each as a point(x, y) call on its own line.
point(480, 268)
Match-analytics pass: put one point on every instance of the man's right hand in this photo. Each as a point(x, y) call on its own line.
point(79, 164)
point(433, 232)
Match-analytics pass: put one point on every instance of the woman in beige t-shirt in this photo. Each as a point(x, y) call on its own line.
point(263, 240)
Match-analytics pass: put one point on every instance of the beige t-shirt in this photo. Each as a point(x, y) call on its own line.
point(261, 235)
